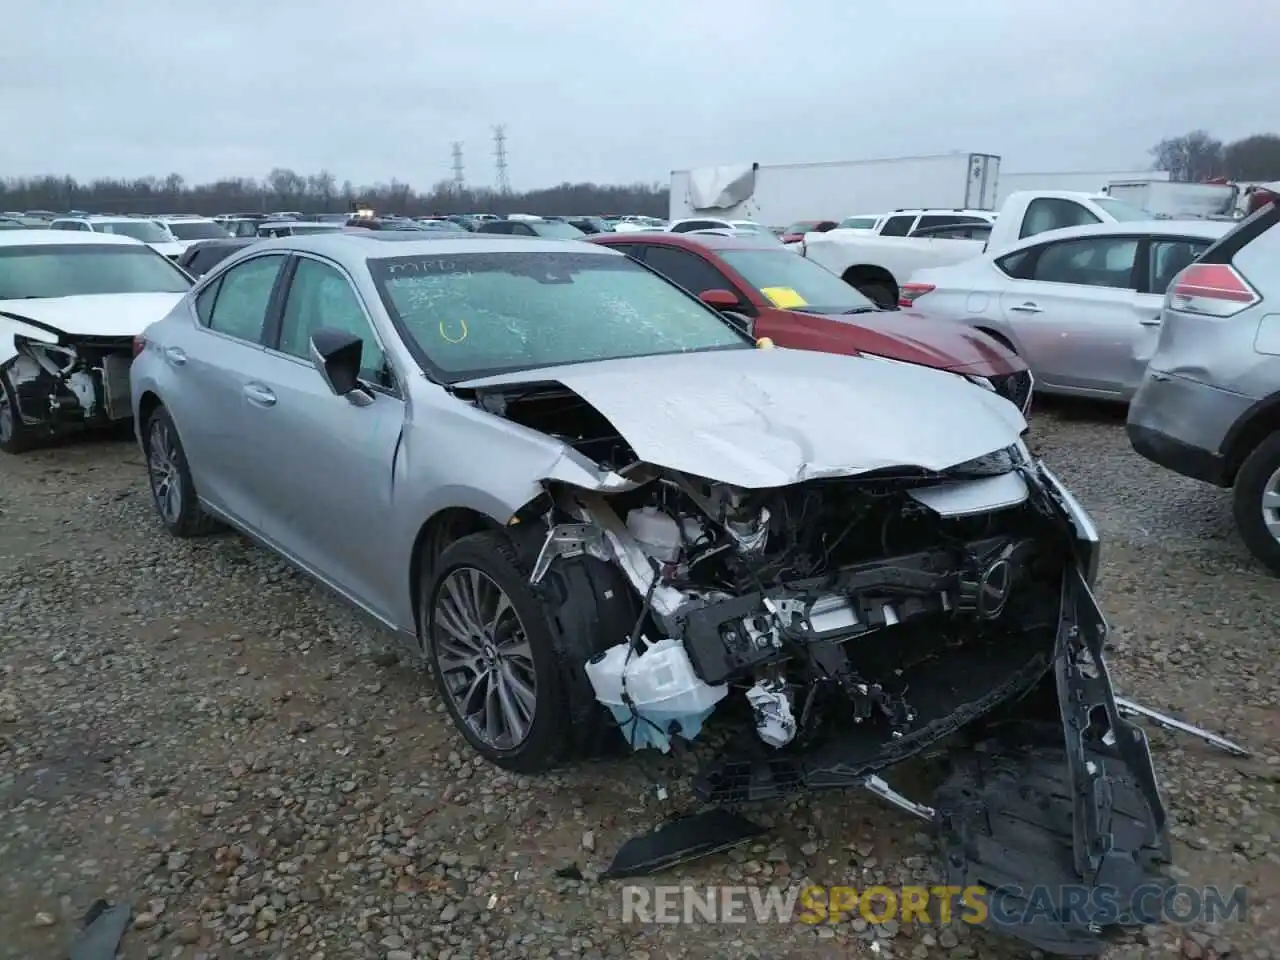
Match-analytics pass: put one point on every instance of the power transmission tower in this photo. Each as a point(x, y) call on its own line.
point(458, 180)
point(500, 157)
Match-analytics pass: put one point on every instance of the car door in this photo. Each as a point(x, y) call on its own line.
point(1161, 259)
point(323, 463)
point(208, 360)
point(1075, 313)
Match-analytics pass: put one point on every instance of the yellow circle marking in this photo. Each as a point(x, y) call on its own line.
point(448, 339)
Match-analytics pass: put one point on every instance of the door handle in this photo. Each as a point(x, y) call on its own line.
point(175, 356)
point(260, 395)
point(1150, 321)
point(1027, 308)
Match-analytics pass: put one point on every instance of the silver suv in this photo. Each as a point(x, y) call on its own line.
point(1209, 405)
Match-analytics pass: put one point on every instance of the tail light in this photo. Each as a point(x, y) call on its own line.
point(139, 344)
point(1211, 290)
point(911, 292)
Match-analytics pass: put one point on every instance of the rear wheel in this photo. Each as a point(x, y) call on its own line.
point(15, 436)
point(172, 490)
point(1256, 502)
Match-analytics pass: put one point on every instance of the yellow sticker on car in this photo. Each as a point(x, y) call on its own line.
point(783, 297)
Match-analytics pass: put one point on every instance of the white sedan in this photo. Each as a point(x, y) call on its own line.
point(1081, 306)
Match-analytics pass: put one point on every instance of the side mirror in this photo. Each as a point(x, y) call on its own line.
point(336, 355)
point(719, 299)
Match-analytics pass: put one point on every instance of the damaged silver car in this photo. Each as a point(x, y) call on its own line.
point(70, 305)
point(612, 522)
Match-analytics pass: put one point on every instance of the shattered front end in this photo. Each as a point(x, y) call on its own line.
point(75, 383)
point(830, 629)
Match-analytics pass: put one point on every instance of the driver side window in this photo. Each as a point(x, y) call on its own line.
point(321, 296)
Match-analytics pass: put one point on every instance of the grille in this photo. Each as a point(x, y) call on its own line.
point(1014, 387)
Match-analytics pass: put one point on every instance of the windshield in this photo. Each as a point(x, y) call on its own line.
point(197, 230)
point(555, 230)
point(145, 230)
point(471, 314)
point(1122, 211)
point(72, 270)
point(792, 282)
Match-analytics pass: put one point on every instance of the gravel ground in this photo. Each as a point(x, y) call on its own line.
point(196, 729)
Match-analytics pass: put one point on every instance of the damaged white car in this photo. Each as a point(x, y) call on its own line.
point(70, 305)
point(611, 521)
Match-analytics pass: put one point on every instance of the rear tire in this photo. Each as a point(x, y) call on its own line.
point(15, 436)
point(1256, 498)
point(172, 490)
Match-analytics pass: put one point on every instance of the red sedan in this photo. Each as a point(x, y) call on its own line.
point(798, 304)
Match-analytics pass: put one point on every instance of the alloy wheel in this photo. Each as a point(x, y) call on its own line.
point(484, 658)
point(162, 468)
point(1271, 504)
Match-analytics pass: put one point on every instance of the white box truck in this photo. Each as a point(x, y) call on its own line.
point(787, 193)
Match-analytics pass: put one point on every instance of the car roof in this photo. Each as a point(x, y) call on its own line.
point(34, 238)
point(687, 241)
point(184, 218)
point(353, 249)
point(1204, 229)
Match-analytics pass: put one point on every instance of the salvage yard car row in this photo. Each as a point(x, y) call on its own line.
point(610, 512)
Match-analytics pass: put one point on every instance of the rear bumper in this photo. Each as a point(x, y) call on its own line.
point(1183, 424)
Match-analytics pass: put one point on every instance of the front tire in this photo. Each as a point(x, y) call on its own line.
point(1256, 503)
point(15, 436)
point(508, 666)
point(172, 490)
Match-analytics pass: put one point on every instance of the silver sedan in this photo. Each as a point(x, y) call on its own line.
point(472, 440)
point(1081, 306)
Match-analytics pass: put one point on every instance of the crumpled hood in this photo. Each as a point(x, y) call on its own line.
point(902, 335)
point(768, 418)
point(98, 315)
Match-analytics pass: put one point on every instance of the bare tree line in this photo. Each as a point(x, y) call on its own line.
point(1198, 156)
point(283, 189)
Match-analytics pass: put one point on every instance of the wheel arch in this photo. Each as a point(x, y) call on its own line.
point(451, 523)
point(147, 405)
point(870, 273)
point(1259, 422)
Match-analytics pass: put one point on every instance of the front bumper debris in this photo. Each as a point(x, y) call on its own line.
point(1060, 823)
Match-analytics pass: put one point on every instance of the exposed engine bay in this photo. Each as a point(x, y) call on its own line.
point(75, 383)
point(855, 618)
point(835, 627)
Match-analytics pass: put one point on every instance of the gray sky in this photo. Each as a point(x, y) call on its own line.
point(617, 90)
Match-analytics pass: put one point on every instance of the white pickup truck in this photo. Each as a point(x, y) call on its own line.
point(878, 265)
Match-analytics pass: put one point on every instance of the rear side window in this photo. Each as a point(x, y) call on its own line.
point(1018, 265)
point(240, 308)
point(1091, 262)
point(858, 223)
point(898, 226)
point(205, 300)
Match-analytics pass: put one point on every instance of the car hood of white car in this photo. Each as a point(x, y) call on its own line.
point(769, 418)
point(93, 315)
